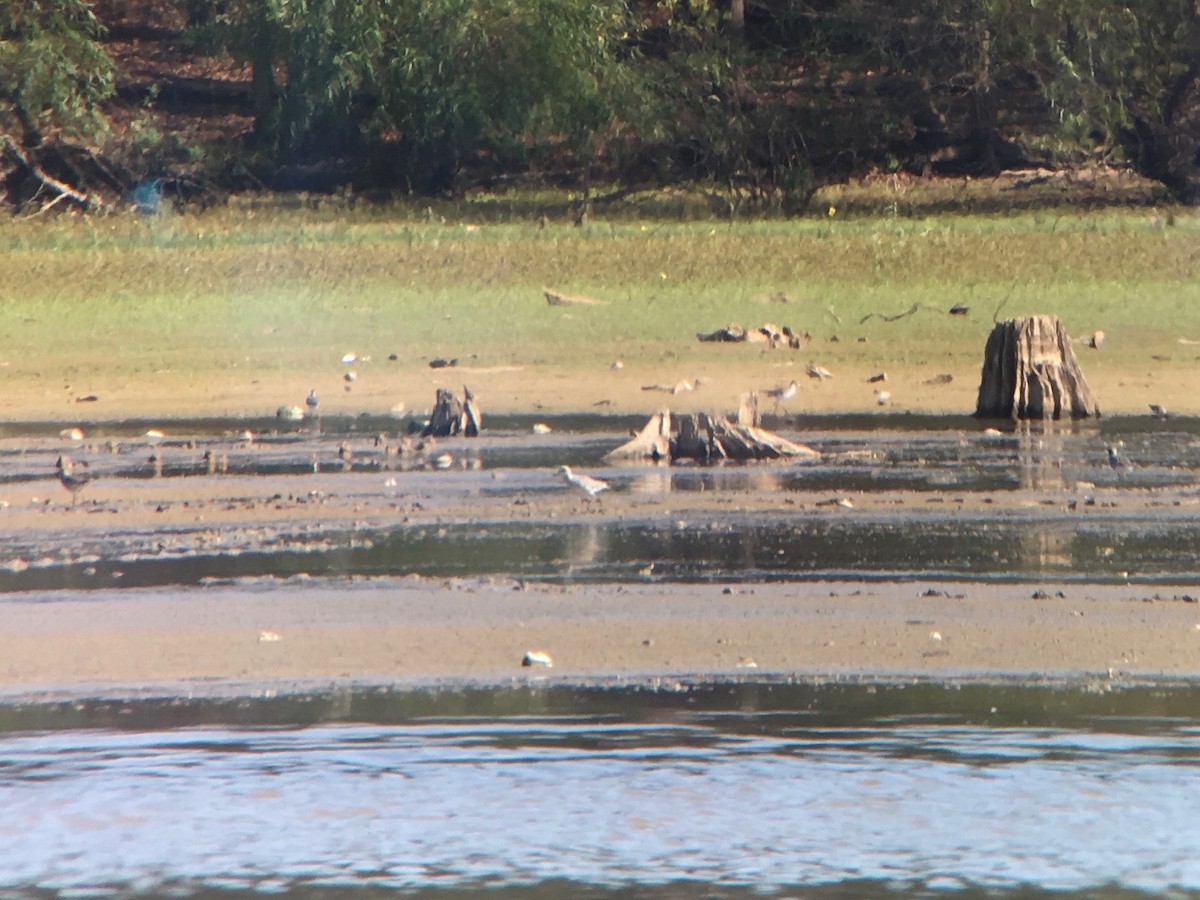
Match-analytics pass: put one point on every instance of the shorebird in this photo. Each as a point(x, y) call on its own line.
point(818, 372)
point(314, 413)
point(1115, 459)
point(70, 479)
point(782, 395)
point(586, 483)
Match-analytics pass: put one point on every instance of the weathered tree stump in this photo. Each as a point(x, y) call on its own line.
point(1030, 372)
point(653, 442)
point(747, 413)
point(452, 417)
point(705, 438)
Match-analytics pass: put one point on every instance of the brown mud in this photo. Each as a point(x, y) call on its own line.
point(98, 629)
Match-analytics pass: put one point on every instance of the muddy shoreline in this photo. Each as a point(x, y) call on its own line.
point(211, 641)
point(87, 611)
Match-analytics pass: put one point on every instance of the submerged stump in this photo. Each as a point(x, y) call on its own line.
point(452, 417)
point(1030, 372)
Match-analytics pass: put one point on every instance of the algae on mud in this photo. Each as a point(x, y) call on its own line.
point(238, 312)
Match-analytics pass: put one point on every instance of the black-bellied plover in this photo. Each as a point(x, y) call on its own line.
point(71, 478)
point(586, 483)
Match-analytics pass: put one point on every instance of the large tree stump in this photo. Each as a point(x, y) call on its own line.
point(705, 438)
point(1030, 372)
point(451, 416)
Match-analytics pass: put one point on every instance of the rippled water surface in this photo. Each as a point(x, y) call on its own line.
point(720, 791)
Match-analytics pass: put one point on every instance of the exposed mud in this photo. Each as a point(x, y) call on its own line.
point(908, 546)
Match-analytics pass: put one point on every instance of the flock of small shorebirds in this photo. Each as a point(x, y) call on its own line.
point(74, 477)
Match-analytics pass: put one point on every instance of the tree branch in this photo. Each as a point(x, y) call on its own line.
point(60, 187)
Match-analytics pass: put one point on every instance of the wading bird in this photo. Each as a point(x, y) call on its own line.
point(1116, 460)
point(586, 483)
point(782, 395)
point(74, 481)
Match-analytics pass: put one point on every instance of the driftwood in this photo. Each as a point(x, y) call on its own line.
point(767, 333)
point(452, 416)
point(555, 298)
point(894, 318)
point(730, 334)
point(706, 438)
point(1030, 372)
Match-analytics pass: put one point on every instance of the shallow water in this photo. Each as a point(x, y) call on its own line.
point(940, 460)
point(735, 790)
point(721, 791)
point(926, 453)
point(1047, 547)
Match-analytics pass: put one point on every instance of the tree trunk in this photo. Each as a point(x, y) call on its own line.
point(1030, 372)
point(737, 17)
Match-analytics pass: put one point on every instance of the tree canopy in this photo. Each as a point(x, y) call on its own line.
point(770, 98)
point(54, 76)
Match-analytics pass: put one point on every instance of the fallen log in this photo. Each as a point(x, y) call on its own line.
point(556, 298)
point(1030, 372)
point(730, 334)
point(706, 437)
point(451, 416)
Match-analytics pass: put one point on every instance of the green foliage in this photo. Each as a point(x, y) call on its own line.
point(426, 84)
point(53, 71)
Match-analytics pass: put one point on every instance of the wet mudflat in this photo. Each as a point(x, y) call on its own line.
point(884, 500)
point(937, 659)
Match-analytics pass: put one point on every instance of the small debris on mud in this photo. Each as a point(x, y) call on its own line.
point(537, 658)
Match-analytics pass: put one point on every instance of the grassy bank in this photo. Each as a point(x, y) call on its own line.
point(242, 297)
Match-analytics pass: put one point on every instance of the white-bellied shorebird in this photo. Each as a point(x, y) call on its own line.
point(314, 412)
point(586, 483)
point(71, 479)
point(1116, 459)
point(781, 395)
point(818, 372)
